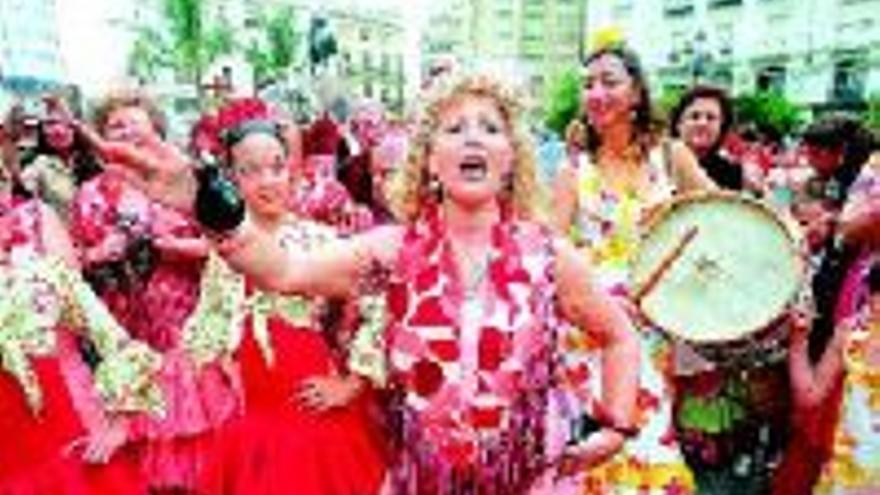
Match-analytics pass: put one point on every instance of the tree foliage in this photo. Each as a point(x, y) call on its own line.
point(770, 112)
point(274, 49)
point(872, 114)
point(187, 41)
point(563, 100)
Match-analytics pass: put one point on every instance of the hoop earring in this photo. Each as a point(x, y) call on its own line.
point(435, 188)
point(508, 184)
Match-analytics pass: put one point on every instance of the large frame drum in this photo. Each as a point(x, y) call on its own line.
point(718, 271)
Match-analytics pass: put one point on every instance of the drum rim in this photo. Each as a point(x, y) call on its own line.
point(791, 229)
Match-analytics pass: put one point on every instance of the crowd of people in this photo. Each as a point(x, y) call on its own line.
point(407, 307)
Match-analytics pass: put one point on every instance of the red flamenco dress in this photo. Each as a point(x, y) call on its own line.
point(38, 462)
point(278, 446)
point(46, 395)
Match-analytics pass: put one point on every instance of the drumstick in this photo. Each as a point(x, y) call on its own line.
point(665, 263)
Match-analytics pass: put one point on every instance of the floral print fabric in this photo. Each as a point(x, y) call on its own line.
point(608, 226)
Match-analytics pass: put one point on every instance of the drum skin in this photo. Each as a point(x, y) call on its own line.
point(718, 270)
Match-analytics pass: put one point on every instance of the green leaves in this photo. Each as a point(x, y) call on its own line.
point(563, 100)
point(770, 111)
point(273, 48)
point(872, 115)
point(187, 41)
point(193, 34)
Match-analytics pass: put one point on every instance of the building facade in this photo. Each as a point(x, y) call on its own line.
point(30, 50)
point(370, 60)
point(533, 39)
point(819, 53)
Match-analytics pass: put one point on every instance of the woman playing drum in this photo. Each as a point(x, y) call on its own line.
point(626, 171)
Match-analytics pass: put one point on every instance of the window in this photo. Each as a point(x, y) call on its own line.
point(723, 77)
point(771, 78)
point(724, 36)
point(724, 3)
point(367, 62)
point(678, 7)
point(622, 8)
point(849, 80)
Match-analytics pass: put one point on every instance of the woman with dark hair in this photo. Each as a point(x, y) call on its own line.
point(836, 148)
point(627, 169)
point(60, 161)
point(304, 426)
point(701, 119)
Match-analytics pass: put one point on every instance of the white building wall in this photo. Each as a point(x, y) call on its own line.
point(805, 37)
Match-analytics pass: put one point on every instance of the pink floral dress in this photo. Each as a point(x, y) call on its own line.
point(48, 396)
point(153, 297)
point(470, 375)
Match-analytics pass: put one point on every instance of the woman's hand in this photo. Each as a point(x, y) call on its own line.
point(576, 459)
point(322, 393)
point(112, 248)
point(799, 323)
point(99, 446)
point(159, 169)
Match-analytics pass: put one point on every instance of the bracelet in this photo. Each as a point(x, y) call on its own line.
point(605, 420)
point(629, 431)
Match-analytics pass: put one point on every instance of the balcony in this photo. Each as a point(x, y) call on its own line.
point(724, 3)
point(678, 8)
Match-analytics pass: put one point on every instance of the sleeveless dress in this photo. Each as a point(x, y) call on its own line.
point(470, 375)
point(46, 395)
point(607, 225)
point(277, 446)
point(854, 466)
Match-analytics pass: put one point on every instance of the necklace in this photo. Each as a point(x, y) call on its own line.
point(475, 273)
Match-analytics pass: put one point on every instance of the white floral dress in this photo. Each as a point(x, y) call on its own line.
point(607, 225)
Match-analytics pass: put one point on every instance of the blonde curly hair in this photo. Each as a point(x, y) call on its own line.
point(125, 97)
point(411, 194)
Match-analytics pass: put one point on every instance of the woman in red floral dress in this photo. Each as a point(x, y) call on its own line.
point(474, 287)
point(59, 428)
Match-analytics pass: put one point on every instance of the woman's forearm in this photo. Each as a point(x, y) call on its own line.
point(589, 307)
point(329, 271)
point(803, 384)
point(811, 385)
point(620, 376)
point(860, 224)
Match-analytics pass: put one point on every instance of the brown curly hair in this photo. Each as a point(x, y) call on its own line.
point(411, 193)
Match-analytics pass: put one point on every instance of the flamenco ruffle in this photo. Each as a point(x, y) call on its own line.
point(199, 400)
point(277, 445)
point(68, 476)
point(36, 464)
point(268, 453)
